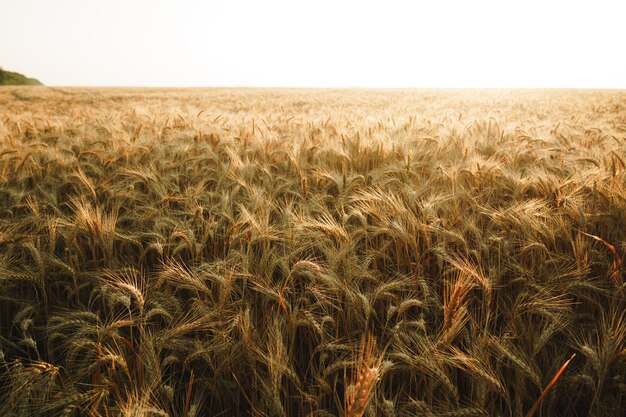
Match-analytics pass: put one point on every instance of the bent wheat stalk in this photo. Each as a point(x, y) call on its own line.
point(548, 387)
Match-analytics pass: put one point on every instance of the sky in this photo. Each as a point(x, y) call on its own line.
point(291, 43)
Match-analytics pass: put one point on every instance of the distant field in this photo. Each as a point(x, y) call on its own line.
point(232, 252)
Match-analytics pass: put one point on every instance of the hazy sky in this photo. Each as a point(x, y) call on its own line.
point(316, 43)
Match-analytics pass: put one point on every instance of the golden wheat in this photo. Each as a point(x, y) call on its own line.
point(190, 252)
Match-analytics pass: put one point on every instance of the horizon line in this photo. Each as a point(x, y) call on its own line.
point(332, 87)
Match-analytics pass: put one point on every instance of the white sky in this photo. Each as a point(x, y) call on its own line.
point(317, 43)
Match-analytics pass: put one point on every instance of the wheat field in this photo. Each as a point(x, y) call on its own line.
point(276, 252)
